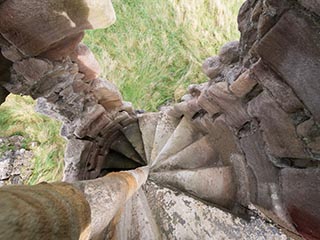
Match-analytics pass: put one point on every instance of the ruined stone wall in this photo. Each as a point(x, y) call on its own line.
point(250, 135)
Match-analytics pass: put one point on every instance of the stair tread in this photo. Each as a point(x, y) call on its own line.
point(197, 155)
point(123, 146)
point(182, 217)
point(184, 135)
point(148, 125)
point(213, 184)
point(165, 127)
point(133, 134)
point(136, 221)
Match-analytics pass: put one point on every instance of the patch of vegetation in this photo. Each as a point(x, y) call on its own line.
point(41, 135)
point(156, 48)
point(152, 53)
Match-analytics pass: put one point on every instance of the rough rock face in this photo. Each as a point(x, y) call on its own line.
point(250, 136)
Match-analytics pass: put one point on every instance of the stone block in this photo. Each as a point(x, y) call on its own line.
point(88, 64)
point(243, 85)
point(234, 110)
point(63, 48)
point(212, 66)
point(301, 194)
point(34, 26)
point(229, 53)
point(279, 133)
point(107, 94)
point(279, 90)
point(312, 5)
point(291, 47)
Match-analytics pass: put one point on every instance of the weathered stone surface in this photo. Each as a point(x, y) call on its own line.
point(107, 94)
point(88, 65)
point(215, 185)
point(63, 48)
point(64, 207)
point(279, 133)
point(90, 115)
point(177, 219)
point(110, 193)
point(229, 53)
point(279, 90)
point(136, 221)
point(148, 125)
point(199, 154)
point(212, 67)
point(236, 114)
point(301, 194)
point(11, 53)
point(33, 26)
point(133, 134)
point(243, 85)
point(165, 127)
point(312, 5)
point(76, 156)
point(299, 66)
point(262, 173)
point(123, 146)
point(184, 135)
point(206, 102)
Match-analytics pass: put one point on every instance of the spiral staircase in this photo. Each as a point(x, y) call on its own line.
point(237, 150)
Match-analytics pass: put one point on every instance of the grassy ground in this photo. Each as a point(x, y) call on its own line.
point(153, 52)
point(156, 48)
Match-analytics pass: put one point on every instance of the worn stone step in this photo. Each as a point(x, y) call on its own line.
point(165, 127)
point(215, 185)
point(133, 134)
point(197, 155)
point(148, 125)
point(123, 146)
point(136, 221)
point(182, 217)
point(184, 135)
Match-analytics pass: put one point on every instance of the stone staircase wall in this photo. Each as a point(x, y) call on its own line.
point(250, 136)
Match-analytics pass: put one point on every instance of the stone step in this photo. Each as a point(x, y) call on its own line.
point(136, 221)
point(148, 125)
point(182, 217)
point(133, 134)
point(123, 146)
point(197, 155)
point(165, 127)
point(184, 135)
point(215, 185)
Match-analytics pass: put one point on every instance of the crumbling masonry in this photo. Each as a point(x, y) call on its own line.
point(247, 138)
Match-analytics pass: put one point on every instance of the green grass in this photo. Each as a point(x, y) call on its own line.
point(17, 117)
point(153, 52)
point(156, 48)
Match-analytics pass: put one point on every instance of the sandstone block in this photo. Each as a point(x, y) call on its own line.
point(107, 94)
point(313, 5)
point(291, 47)
point(280, 91)
point(63, 48)
point(279, 133)
point(301, 194)
point(33, 26)
point(229, 53)
point(235, 111)
point(243, 85)
point(212, 66)
point(88, 64)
